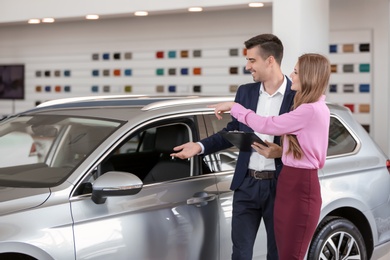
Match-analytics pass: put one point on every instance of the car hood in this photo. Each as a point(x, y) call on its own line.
point(17, 199)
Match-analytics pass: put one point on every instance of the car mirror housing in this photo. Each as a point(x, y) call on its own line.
point(115, 183)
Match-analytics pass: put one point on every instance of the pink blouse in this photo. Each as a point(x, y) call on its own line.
point(309, 122)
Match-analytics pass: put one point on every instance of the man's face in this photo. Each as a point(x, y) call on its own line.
point(258, 67)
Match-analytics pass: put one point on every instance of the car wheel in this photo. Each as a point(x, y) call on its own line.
point(337, 238)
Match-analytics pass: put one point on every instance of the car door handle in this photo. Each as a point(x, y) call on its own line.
point(201, 199)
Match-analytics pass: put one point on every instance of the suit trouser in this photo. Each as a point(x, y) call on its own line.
point(253, 201)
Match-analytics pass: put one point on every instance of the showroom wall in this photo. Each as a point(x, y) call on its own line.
point(194, 53)
point(164, 54)
point(370, 18)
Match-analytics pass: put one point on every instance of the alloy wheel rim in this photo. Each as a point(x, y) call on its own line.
point(340, 246)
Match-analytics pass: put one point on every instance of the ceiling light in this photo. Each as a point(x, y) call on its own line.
point(256, 4)
point(195, 9)
point(92, 17)
point(48, 20)
point(141, 13)
point(34, 21)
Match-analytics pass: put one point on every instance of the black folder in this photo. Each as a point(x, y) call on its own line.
point(242, 140)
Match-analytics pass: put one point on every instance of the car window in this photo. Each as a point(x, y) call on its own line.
point(41, 151)
point(146, 153)
point(223, 160)
point(341, 141)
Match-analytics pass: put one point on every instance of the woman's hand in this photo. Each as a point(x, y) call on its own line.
point(271, 152)
point(222, 107)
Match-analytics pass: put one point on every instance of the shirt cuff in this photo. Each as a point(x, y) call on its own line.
point(201, 146)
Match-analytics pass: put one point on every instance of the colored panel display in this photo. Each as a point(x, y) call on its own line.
point(333, 48)
point(233, 88)
point(95, 89)
point(233, 70)
point(364, 67)
point(171, 54)
point(348, 68)
point(364, 88)
point(348, 88)
point(245, 71)
point(197, 71)
point(364, 47)
point(366, 127)
point(351, 107)
point(159, 72)
point(160, 55)
point(233, 52)
point(184, 54)
point(117, 72)
point(184, 71)
point(159, 89)
point(117, 56)
point(197, 53)
point(106, 89)
point(95, 56)
point(128, 89)
point(333, 88)
point(128, 55)
point(106, 56)
point(348, 48)
point(197, 89)
point(364, 108)
point(128, 72)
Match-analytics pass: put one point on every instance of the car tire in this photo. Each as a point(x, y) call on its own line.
point(332, 241)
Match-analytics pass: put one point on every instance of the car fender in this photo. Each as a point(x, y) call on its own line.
point(350, 202)
point(24, 248)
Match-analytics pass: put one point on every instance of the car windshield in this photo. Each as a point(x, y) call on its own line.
point(41, 151)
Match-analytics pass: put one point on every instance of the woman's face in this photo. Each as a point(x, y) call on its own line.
point(296, 83)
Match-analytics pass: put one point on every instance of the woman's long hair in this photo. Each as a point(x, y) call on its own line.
point(313, 73)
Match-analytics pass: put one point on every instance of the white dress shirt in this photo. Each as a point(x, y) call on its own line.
point(268, 105)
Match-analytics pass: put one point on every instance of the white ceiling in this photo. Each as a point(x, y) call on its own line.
point(20, 11)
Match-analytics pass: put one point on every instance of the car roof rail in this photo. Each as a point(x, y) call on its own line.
point(194, 100)
point(86, 98)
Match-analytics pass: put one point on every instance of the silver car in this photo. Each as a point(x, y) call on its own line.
point(105, 187)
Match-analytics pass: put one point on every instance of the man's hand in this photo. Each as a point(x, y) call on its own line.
point(187, 150)
point(271, 152)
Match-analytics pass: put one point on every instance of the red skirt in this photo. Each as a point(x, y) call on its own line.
point(297, 211)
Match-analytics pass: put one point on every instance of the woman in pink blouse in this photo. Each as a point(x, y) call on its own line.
point(305, 141)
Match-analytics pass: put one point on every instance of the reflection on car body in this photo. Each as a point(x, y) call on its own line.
point(102, 184)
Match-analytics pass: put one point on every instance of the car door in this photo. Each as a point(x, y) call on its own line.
point(223, 164)
point(171, 219)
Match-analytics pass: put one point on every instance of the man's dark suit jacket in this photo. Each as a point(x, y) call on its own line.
point(248, 96)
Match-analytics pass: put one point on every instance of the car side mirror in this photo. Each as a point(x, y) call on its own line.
point(115, 183)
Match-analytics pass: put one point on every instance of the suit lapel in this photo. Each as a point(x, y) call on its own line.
point(254, 97)
point(287, 99)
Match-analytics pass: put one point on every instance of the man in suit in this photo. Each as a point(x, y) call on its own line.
point(254, 180)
